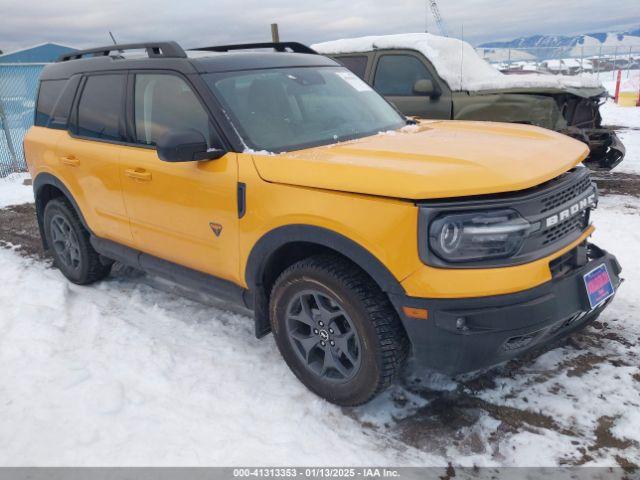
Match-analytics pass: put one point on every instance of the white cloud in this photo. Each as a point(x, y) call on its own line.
point(198, 22)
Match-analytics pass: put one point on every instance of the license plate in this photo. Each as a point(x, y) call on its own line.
point(599, 286)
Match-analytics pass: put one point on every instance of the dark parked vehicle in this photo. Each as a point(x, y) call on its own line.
point(433, 77)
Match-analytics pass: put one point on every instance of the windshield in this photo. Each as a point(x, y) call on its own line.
point(291, 108)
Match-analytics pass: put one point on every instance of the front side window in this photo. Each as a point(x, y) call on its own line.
point(291, 108)
point(166, 102)
point(397, 74)
point(100, 107)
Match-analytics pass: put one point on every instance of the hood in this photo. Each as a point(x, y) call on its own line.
point(435, 159)
point(582, 92)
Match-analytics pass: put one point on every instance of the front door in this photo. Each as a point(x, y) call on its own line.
point(184, 212)
point(395, 75)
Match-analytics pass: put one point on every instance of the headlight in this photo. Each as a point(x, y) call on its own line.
point(465, 237)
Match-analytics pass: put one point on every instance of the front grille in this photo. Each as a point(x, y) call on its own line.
point(558, 198)
point(561, 230)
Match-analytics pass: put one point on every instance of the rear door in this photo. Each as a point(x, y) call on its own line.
point(394, 75)
point(358, 63)
point(89, 156)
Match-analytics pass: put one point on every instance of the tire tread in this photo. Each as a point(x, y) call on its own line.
point(394, 344)
point(96, 270)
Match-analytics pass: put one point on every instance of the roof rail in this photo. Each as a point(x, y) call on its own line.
point(295, 47)
point(154, 50)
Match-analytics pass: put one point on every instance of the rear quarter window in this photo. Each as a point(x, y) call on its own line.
point(356, 63)
point(100, 109)
point(48, 95)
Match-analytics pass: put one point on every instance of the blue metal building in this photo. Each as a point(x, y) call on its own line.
point(43, 53)
point(19, 72)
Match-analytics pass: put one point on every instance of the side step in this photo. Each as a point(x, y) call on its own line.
point(181, 277)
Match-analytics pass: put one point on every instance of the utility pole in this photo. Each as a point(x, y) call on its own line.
point(275, 36)
point(435, 11)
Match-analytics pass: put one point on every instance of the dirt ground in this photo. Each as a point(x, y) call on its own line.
point(618, 183)
point(19, 230)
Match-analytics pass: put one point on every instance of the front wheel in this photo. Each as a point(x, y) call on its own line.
point(337, 330)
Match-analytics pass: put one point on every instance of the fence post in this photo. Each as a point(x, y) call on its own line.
point(615, 60)
point(618, 86)
point(7, 135)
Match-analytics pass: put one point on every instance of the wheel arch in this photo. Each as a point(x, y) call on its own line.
point(46, 187)
point(283, 246)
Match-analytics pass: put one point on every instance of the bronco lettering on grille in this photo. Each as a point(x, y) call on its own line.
point(574, 209)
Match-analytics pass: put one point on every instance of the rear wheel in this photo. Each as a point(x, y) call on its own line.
point(337, 330)
point(69, 243)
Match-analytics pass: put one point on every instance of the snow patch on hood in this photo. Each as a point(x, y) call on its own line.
point(457, 62)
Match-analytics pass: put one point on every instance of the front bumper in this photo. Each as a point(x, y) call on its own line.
point(463, 335)
point(606, 149)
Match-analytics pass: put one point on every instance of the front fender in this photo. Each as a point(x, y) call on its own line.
point(539, 110)
point(281, 236)
point(278, 238)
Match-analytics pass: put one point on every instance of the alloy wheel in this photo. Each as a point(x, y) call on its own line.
point(323, 336)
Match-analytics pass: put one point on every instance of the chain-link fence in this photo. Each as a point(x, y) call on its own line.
point(600, 60)
point(18, 89)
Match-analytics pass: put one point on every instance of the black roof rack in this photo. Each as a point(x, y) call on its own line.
point(154, 50)
point(279, 47)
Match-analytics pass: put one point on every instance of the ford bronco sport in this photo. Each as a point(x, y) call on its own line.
point(434, 77)
point(282, 181)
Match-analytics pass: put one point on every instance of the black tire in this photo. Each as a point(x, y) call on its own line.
point(382, 349)
point(85, 266)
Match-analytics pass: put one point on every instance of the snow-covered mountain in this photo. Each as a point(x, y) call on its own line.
point(605, 39)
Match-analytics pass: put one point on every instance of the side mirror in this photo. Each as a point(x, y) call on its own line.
point(425, 87)
point(185, 146)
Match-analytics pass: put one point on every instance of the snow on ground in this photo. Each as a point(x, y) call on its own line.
point(585, 389)
point(629, 77)
point(456, 61)
point(12, 190)
point(121, 373)
point(627, 123)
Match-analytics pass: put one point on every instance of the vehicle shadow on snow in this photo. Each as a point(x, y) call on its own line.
point(431, 412)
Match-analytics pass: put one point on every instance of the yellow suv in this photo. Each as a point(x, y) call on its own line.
point(282, 181)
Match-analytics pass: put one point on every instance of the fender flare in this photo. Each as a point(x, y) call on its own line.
point(279, 237)
point(42, 180)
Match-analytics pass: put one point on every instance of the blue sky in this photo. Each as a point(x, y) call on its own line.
point(86, 23)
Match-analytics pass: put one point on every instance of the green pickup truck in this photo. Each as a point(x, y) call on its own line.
point(429, 76)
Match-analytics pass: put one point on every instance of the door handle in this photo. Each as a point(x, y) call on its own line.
point(70, 161)
point(138, 174)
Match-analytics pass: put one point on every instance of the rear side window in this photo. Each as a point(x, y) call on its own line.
point(166, 102)
point(48, 95)
point(100, 107)
point(397, 74)
point(357, 64)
